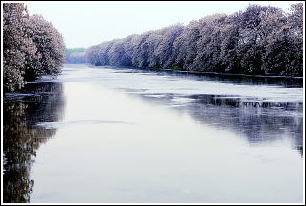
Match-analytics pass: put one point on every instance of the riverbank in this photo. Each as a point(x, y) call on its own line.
point(214, 73)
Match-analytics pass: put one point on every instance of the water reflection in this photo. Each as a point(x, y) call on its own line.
point(287, 82)
point(250, 80)
point(21, 111)
point(262, 110)
point(257, 120)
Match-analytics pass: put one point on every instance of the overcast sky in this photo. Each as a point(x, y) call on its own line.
point(84, 24)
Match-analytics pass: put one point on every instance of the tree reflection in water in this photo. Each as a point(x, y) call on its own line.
point(258, 121)
point(21, 111)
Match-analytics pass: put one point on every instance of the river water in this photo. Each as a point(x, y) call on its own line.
point(120, 135)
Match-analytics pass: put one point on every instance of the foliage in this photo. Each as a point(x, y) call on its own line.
point(50, 48)
point(17, 46)
point(261, 40)
point(31, 47)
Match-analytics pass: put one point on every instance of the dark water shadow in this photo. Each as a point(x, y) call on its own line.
point(43, 101)
point(285, 81)
point(259, 122)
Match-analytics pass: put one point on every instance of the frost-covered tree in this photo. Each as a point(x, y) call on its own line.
point(117, 54)
point(50, 48)
point(250, 44)
point(283, 53)
point(153, 42)
point(165, 50)
point(31, 47)
point(209, 44)
point(229, 54)
point(185, 46)
point(261, 40)
point(140, 50)
point(18, 47)
point(91, 55)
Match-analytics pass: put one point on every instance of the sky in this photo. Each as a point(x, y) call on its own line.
point(84, 24)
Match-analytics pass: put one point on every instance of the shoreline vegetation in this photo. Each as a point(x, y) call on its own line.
point(259, 41)
point(32, 47)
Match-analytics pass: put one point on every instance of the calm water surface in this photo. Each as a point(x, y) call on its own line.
point(115, 135)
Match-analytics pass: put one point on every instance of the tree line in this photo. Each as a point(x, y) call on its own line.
point(31, 47)
point(261, 40)
point(75, 55)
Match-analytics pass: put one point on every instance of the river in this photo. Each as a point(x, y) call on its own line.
point(122, 135)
